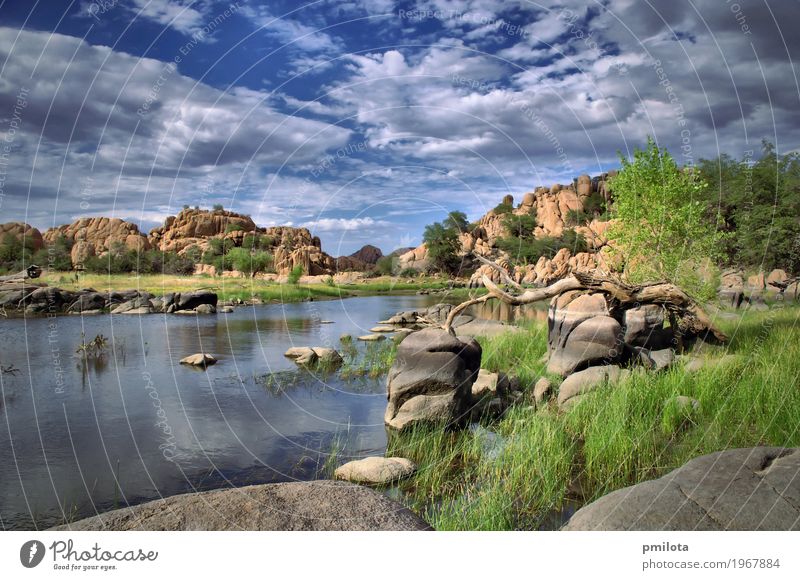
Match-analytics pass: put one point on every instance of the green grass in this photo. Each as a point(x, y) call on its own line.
point(614, 437)
point(374, 361)
point(241, 288)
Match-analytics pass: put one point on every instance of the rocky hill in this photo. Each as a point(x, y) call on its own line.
point(95, 236)
point(554, 209)
point(23, 232)
point(290, 247)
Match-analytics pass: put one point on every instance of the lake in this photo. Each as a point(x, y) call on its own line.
point(81, 437)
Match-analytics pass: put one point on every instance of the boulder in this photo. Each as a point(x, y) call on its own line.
point(205, 309)
point(654, 360)
point(644, 326)
point(776, 277)
point(372, 337)
point(134, 306)
point(580, 383)
point(88, 301)
point(25, 233)
point(542, 390)
point(328, 357)
point(314, 505)
point(191, 300)
point(199, 360)
point(382, 328)
point(749, 489)
point(95, 236)
point(597, 339)
point(431, 379)
point(376, 470)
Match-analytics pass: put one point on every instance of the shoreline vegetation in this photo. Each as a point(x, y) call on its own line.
point(246, 289)
point(532, 467)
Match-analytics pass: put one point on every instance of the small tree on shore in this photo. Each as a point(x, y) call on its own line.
point(443, 247)
point(662, 232)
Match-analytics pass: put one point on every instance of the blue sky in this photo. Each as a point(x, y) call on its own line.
point(366, 120)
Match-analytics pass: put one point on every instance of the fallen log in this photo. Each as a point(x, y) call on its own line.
point(691, 319)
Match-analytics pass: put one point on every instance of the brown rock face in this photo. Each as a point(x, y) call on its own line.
point(95, 236)
point(193, 227)
point(24, 232)
point(368, 254)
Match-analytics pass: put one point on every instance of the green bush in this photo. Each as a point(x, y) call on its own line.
point(295, 274)
point(519, 226)
point(233, 228)
point(386, 265)
point(503, 208)
point(443, 247)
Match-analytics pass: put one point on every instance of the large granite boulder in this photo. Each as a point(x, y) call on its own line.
point(314, 505)
point(95, 236)
point(26, 233)
point(581, 333)
point(431, 379)
point(738, 489)
point(644, 326)
point(578, 384)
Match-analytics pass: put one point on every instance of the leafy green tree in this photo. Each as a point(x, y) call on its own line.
point(248, 262)
point(662, 231)
point(443, 247)
point(503, 208)
point(457, 220)
point(759, 204)
point(519, 226)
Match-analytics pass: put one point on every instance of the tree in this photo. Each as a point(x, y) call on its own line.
point(759, 204)
point(457, 220)
point(662, 231)
point(519, 226)
point(443, 247)
point(386, 265)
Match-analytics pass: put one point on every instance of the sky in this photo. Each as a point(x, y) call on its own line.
point(365, 120)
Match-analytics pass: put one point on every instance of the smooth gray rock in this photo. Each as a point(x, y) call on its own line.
point(750, 489)
point(585, 381)
point(206, 309)
point(315, 505)
point(191, 300)
point(595, 339)
point(431, 378)
point(542, 390)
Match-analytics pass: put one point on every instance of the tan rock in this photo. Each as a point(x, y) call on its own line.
point(23, 232)
point(375, 470)
point(199, 360)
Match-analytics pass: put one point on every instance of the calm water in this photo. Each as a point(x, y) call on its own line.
point(77, 439)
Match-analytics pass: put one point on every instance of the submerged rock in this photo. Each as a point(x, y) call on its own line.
point(376, 470)
point(755, 488)
point(313, 505)
point(199, 360)
point(372, 337)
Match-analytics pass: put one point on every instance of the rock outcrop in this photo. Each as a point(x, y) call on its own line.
point(23, 232)
point(314, 505)
point(739, 489)
point(375, 470)
point(431, 379)
point(95, 236)
point(368, 255)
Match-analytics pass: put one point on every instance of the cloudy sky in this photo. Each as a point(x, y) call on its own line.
point(364, 120)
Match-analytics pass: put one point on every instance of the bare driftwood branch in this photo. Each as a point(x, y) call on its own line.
point(691, 318)
point(502, 271)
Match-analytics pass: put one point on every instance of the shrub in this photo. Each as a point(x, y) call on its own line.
point(218, 207)
point(386, 265)
point(443, 247)
point(503, 208)
point(295, 274)
point(519, 226)
point(233, 228)
point(409, 273)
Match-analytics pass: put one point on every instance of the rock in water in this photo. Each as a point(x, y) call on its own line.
point(314, 505)
point(376, 470)
point(431, 378)
point(199, 360)
point(756, 488)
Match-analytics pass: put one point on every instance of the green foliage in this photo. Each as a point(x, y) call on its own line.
point(443, 247)
point(385, 265)
point(577, 217)
point(519, 226)
point(233, 228)
point(457, 220)
point(663, 231)
point(55, 256)
point(295, 274)
point(503, 208)
point(218, 207)
point(529, 250)
point(15, 253)
point(257, 242)
point(248, 262)
point(408, 273)
point(759, 203)
point(594, 205)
